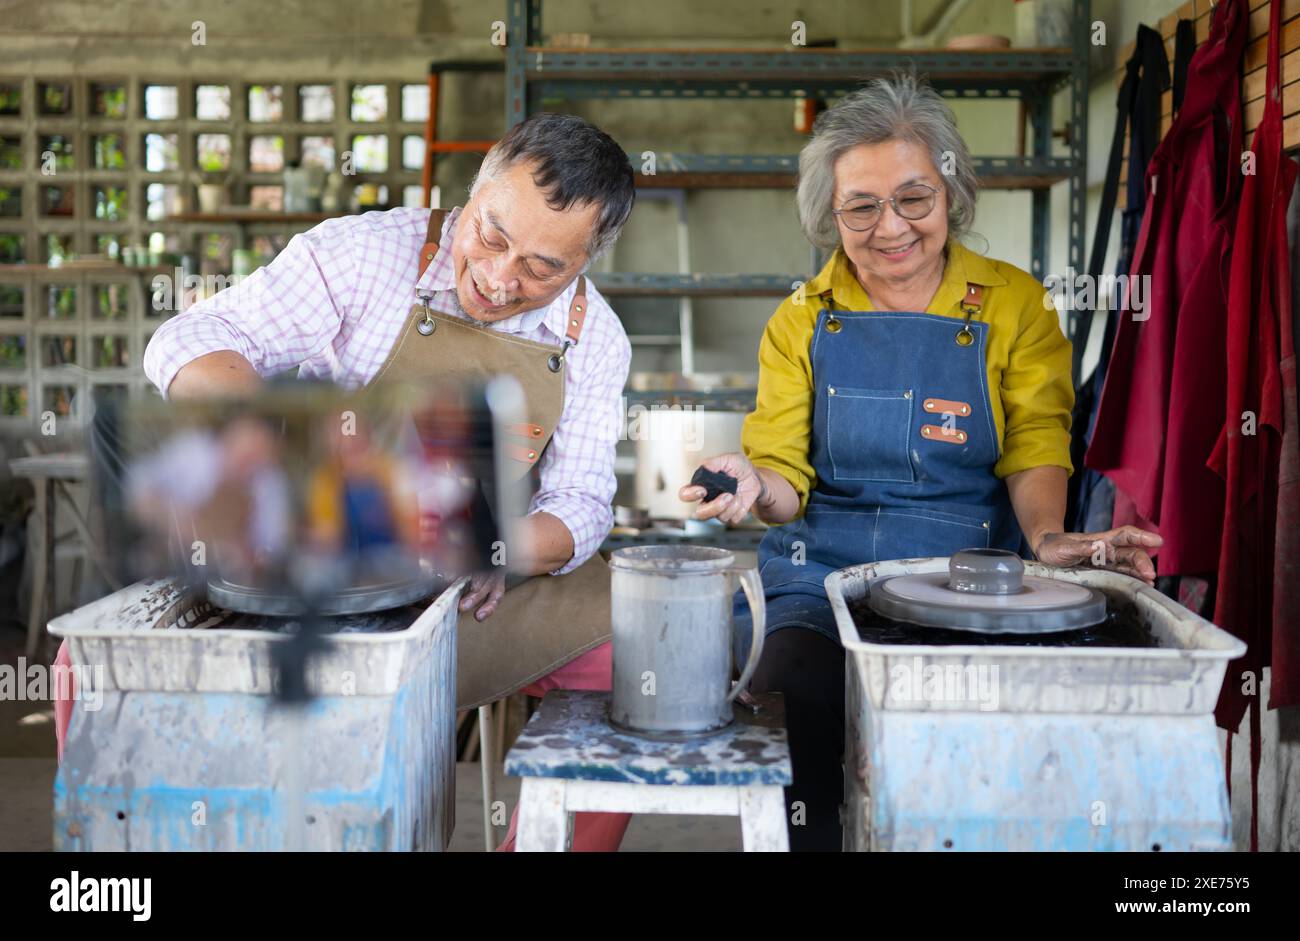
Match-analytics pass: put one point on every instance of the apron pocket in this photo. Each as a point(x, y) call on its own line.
point(913, 532)
point(867, 433)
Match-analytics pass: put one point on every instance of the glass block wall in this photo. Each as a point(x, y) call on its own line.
point(111, 165)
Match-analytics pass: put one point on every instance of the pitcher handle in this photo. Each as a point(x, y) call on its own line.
point(753, 588)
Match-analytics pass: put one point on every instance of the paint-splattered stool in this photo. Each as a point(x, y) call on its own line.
point(571, 759)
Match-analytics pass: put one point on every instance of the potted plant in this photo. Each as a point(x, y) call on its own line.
point(214, 191)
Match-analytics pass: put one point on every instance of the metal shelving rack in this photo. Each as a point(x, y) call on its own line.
point(1033, 76)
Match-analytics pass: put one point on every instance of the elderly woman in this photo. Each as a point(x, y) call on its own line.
point(913, 400)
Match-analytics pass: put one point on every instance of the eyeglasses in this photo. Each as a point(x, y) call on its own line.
point(912, 202)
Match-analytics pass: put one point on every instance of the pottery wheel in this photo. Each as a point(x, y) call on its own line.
point(357, 599)
point(986, 591)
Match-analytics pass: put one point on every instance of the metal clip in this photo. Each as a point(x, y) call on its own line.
point(556, 360)
point(964, 336)
point(426, 326)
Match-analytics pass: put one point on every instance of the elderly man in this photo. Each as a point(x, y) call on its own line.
point(495, 287)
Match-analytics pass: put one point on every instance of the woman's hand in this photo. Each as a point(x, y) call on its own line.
point(484, 592)
point(729, 508)
point(1123, 550)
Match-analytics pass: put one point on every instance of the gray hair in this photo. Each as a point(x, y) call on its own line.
point(899, 108)
point(574, 162)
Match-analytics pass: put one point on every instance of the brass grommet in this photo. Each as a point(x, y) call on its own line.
point(965, 337)
point(553, 362)
point(833, 325)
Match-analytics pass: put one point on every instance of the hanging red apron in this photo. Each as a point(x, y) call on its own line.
point(1249, 449)
point(1162, 403)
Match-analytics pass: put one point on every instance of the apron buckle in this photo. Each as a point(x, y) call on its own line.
point(964, 336)
point(426, 326)
point(556, 360)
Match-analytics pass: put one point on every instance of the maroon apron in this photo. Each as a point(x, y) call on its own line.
point(1258, 509)
point(1162, 404)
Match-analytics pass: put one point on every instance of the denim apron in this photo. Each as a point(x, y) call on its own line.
point(903, 444)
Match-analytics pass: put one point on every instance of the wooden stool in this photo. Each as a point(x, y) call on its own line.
point(571, 760)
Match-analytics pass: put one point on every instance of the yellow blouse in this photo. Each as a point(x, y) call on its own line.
point(1028, 363)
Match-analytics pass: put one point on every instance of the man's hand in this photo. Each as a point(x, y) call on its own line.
point(1123, 550)
point(484, 592)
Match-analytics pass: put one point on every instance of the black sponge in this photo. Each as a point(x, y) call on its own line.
point(715, 483)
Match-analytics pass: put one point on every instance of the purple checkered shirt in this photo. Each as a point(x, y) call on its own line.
point(332, 303)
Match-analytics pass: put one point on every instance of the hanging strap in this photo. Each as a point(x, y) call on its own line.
point(431, 240)
point(1184, 47)
point(1273, 84)
point(1147, 71)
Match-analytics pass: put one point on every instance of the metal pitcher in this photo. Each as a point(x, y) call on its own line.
point(671, 616)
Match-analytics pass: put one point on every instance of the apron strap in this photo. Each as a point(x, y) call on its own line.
point(432, 238)
point(973, 301)
point(577, 313)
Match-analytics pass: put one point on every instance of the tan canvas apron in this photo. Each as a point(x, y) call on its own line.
point(547, 620)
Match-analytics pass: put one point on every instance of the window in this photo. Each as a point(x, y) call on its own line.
point(13, 351)
point(57, 200)
point(108, 352)
point(60, 301)
point(266, 153)
point(162, 152)
point(266, 197)
point(58, 399)
point(214, 252)
point(412, 152)
point(11, 153)
point(13, 401)
point(56, 152)
point(112, 301)
point(161, 103)
point(11, 200)
point(161, 200)
point(265, 103)
point(415, 102)
point(58, 351)
point(316, 103)
point(11, 300)
point(107, 100)
point(11, 99)
point(318, 152)
point(369, 103)
point(56, 245)
point(110, 203)
point(413, 196)
point(54, 98)
point(108, 244)
point(212, 102)
point(110, 151)
point(370, 153)
point(213, 152)
point(11, 249)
